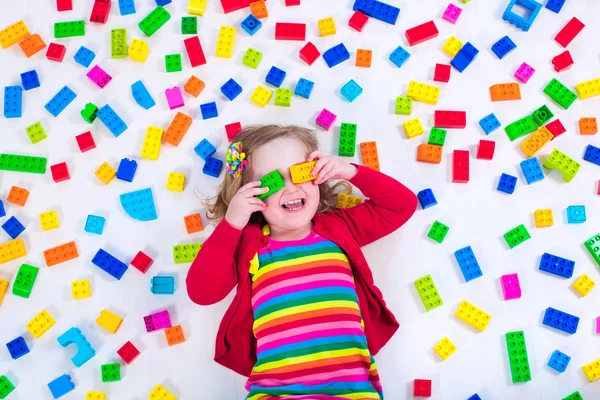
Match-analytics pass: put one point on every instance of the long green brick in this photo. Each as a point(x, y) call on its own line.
point(25, 279)
point(516, 236)
point(428, 292)
point(69, 29)
point(347, 144)
point(154, 21)
point(542, 114)
point(517, 356)
point(520, 128)
point(561, 94)
point(19, 163)
point(184, 253)
point(273, 181)
point(562, 163)
point(118, 43)
point(593, 246)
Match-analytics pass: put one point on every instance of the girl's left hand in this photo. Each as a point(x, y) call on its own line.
point(328, 167)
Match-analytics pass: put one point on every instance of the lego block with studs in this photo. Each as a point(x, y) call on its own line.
point(60, 101)
point(251, 24)
point(61, 386)
point(275, 76)
point(445, 348)
point(193, 223)
point(542, 115)
point(336, 55)
point(69, 29)
point(109, 264)
point(326, 26)
point(274, 181)
point(81, 289)
point(399, 56)
point(543, 218)
point(142, 262)
point(560, 320)
point(442, 73)
point(138, 50)
point(369, 155)
point(154, 21)
point(40, 324)
point(152, 143)
point(85, 351)
point(583, 285)
point(532, 170)
point(505, 92)
point(452, 46)
point(159, 392)
point(111, 120)
point(426, 198)
point(60, 172)
point(6, 386)
point(12, 250)
point(94, 224)
point(105, 173)
point(563, 163)
point(24, 281)
point(428, 292)
point(520, 128)
point(49, 220)
point(303, 88)
point(13, 34)
point(32, 44)
point(141, 95)
point(485, 149)
point(174, 335)
point(84, 56)
point(507, 183)
point(17, 349)
point(588, 126)
point(89, 113)
point(593, 246)
point(503, 46)
point(351, 90)
point(194, 50)
point(473, 316)
point(438, 231)
point(89, 395)
point(347, 200)
point(283, 97)
point(60, 254)
point(452, 13)
point(17, 196)
point(413, 128)
point(157, 321)
point(559, 361)
point(576, 214)
point(128, 352)
point(225, 42)
point(518, 357)
point(524, 72)
point(511, 288)
point(325, 119)
point(429, 153)
point(99, 76)
point(232, 130)
point(13, 227)
point(465, 56)
point(363, 58)
point(196, 7)
point(468, 264)
point(309, 53)
point(516, 236)
point(347, 142)
point(126, 170)
point(176, 181)
point(301, 173)
point(194, 86)
point(118, 43)
point(588, 89)
point(209, 110)
point(403, 105)
point(111, 372)
point(378, 10)
point(30, 80)
point(252, 58)
point(173, 63)
point(422, 388)
point(13, 104)
point(185, 253)
point(109, 321)
point(205, 149)
point(557, 265)
point(290, 31)
point(592, 370)
point(422, 92)
point(561, 94)
point(189, 25)
point(556, 128)
point(212, 167)
point(259, 9)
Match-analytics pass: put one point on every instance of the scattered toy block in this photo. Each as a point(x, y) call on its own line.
point(177, 129)
point(358, 21)
point(460, 166)
point(209, 110)
point(569, 32)
point(30, 80)
point(422, 92)
point(557, 265)
point(13, 34)
point(99, 76)
point(325, 119)
point(194, 86)
point(274, 181)
point(326, 26)
point(12, 250)
point(450, 119)
point(588, 89)
point(421, 33)
point(17, 349)
point(592, 370)
point(583, 285)
point(563, 61)
point(473, 316)
point(94, 224)
point(452, 46)
point(517, 356)
point(60, 254)
point(399, 56)
point(61, 386)
point(428, 292)
point(301, 173)
point(426, 198)
point(174, 335)
point(154, 21)
point(429, 153)
point(347, 200)
point(56, 52)
point(309, 53)
point(60, 101)
point(560, 320)
point(445, 348)
point(516, 236)
point(40, 324)
point(142, 262)
point(128, 352)
point(292, 31)
point(194, 51)
point(524, 72)
point(511, 289)
point(225, 42)
point(438, 231)
point(543, 218)
point(111, 372)
point(85, 351)
point(505, 92)
point(532, 9)
point(485, 149)
point(422, 388)
point(588, 126)
point(576, 214)
point(69, 29)
point(32, 44)
point(81, 289)
point(157, 321)
point(18, 196)
point(563, 163)
point(451, 13)
point(49, 220)
point(559, 361)
point(100, 11)
point(336, 55)
point(109, 321)
point(250, 24)
point(111, 265)
point(503, 46)
point(369, 155)
point(442, 73)
point(468, 263)
point(465, 56)
point(378, 10)
point(303, 88)
point(536, 141)
point(105, 173)
point(24, 281)
point(187, 252)
point(413, 128)
point(152, 143)
point(13, 227)
point(252, 58)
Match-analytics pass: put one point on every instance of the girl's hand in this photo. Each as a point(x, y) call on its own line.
point(244, 203)
point(328, 167)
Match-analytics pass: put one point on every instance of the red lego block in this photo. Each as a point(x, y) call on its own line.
point(442, 73)
point(309, 53)
point(460, 166)
point(421, 33)
point(358, 21)
point(128, 352)
point(85, 141)
point(232, 130)
point(194, 51)
point(450, 119)
point(485, 150)
point(556, 128)
point(100, 11)
point(234, 5)
point(141, 261)
point(64, 5)
point(289, 3)
point(422, 388)
point(290, 31)
point(568, 33)
point(562, 62)
point(56, 52)
point(60, 172)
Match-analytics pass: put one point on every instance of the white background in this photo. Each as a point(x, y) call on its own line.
point(477, 214)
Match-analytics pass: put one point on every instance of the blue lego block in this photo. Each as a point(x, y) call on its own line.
point(532, 170)
point(30, 80)
point(109, 264)
point(13, 101)
point(139, 204)
point(84, 56)
point(592, 154)
point(426, 198)
point(555, 5)
point(85, 351)
point(162, 285)
point(126, 170)
point(399, 56)
point(251, 24)
point(13, 227)
point(17, 348)
point(212, 167)
point(557, 265)
point(61, 386)
point(560, 320)
point(142, 96)
point(559, 361)
point(576, 214)
point(378, 10)
point(209, 110)
point(351, 90)
point(163, 2)
point(231, 89)
point(474, 397)
point(275, 76)
point(464, 57)
point(126, 7)
point(303, 88)
point(205, 149)
point(503, 46)
point(335, 55)
point(507, 183)
point(94, 224)
point(489, 124)
point(60, 101)
point(531, 8)
point(2, 210)
point(468, 263)
point(111, 120)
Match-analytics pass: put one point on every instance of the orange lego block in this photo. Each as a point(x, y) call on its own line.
point(363, 58)
point(32, 45)
point(370, 157)
point(429, 153)
point(177, 129)
point(174, 335)
point(536, 141)
point(194, 86)
point(505, 91)
point(13, 34)
point(62, 253)
point(300, 173)
point(588, 126)
point(193, 223)
point(18, 196)
point(259, 9)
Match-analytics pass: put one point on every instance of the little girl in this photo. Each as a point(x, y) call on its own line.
point(307, 318)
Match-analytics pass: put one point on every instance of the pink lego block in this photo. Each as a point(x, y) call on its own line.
point(98, 76)
point(510, 286)
point(598, 325)
point(174, 98)
point(157, 321)
point(325, 119)
point(452, 13)
point(524, 72)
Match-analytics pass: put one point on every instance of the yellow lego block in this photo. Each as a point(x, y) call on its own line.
point(40, 324)
point(138, 50)
point(95, 396)
point(536, 141)
point(49, 220)
point(12, 250)
point(543, 218)
point(422, 92)
point(327, 26)
point(452, 46)
point(152, 141)
point(413, 128)
point(445, 348)
point(347, 201)
point(261, 96)
point(176, 181)
point(160, 393)
point(109, 321)
point(588, 89)
point(584, 285)
point(105, 173)
point(3, 287)
point(225, 41)
point(196, 7)
point(81, 289)
point(300, 173)
point(13, 34)
point(592, 370)
point(473, 316)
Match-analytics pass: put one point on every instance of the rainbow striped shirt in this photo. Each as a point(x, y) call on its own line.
point(308, 327)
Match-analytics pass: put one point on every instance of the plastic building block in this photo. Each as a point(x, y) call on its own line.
point(13, 227)
point(351, 90)
point(592, 154)
point(524, 72)
point(574, 395)
point(162, 285)
point(536, 141)
point(452, 46)
point(588, 89)
point(154, 21)
point(460, 166)
point(60, 101)
point(369, 155)
point(85, 141)
point(232, 130)
point(517, 356)
point(442, 73)
point(141, 95)
point(194, 51)
point(32, 44)
point(61, 386)
point(468, 263)
point(326, 26)
point(109, 264)
point(569, 31)
point(325, 119)
point(25, 280)
point(289, 3)
point(89, 113)
point(592, 370)
point(95, 396)
point(212, 167)
point(84, 350)
point(556, 6)
point(505, 92)
point(69, 29)
point(445, 348)
point(421, 33)
point(562, 163)
point(18, 196)
point(542, 115)
point(13, 34)
point(186, 253)
point(511, 289)
point(422, 388)
point(303, 88)
point(175, 334)
point(231, 89)
point(36, 133)
point(194, 86)
point(452, 13)
point(347, 200)
point(556, 128)
point(189, 25)
point(563, 61)
point(99, 76)
point(336, 55)
point(13, 104)
point(94, 224)
point(6, 386)
point(275, 76)
point(507, 183)
point(81, 289)
point(557, 265)
point(413, 128)
point(159, 392)
point(576, 214)
point(347, 143)
point(84, 56)
point(173, 62)
point(403, 105)
point(583, 285)
point(174, 98)
point(138, 50)
point(428, 292)
point(17, 348)
point(485, 149)
point(503, 46)
point(560, 320)
point(49, 220)
point(559, 361)
point(176, 181)
point(193, 223)
point(111, 372)
point(308, 53)
point(29, 80)
point(56, 52)
point(209, 110)
point(301, 173)
point(126, 7)
point(429, 153)
point(2, 210)
point(358, 20)
point(399, 56)
point(274, 181)
point(177, 129)
point(139, 205)
point(163, 2)
point(283, 97)
point(60, 172)
point(438, 231)
point(128, 352)
point(12, 250)
point(40, 324)
point(118, 43)
point(152, 143)
point(516, 236)
point(363, 58)
point(543, 218)
point(108, 320)
point(378, 10)
point(225, 42)
point(473, 316)
point(588, 126)
point(100, 11)
point(157, 321)
point(293, 31)
point(532, 170)
point(426, 198)
point(105, 173)
point(60, 254)
point(252, 58)
point(250, 24)
point(259, 9)
point(520, 128)
point(450, 119)
point(422, 92)
point(531, 8)
point(464, 57)
point(142, 262)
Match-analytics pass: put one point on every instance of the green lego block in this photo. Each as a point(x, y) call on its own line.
point(573, 396)
point(111, 372)
point(89, 113)
point(593, 246)
point(173, 62)
point(347, 146)
point(274, 181)
point(189, 25)
point(562, 163)
point(25, 280)
point(69, 29)
point(542, 115)
point(283, 97)
point(517, 356)
point(428, 292)
point(403, 105)
point(118, 43)
point(438, 231)
point(154, 21)
point(6, 387)
point(36, 133)
point(465, 1)
point(184, 253)
point(520, 128)
point(19, 163)
point(252, 58)
point(437, 136)
point(561, 94)
point(516, 236)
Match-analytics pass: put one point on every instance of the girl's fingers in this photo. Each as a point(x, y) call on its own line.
point(325, 173)
point(250, 193)
point(257, 208)
point(256, 202)
point(317, 170)
point(249, 185)
point(315, 154)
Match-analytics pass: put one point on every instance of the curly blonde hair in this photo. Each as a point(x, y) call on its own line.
point(252, 138)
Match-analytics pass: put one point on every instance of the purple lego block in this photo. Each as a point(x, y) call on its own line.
point(174, 98)
point(452, 13)
point(157, 321)
point(598, 325)
point(326, 119)
point(524, 72)
point(510, 286)
point(99, 76)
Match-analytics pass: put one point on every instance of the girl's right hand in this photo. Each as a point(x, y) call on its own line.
point(244, 203)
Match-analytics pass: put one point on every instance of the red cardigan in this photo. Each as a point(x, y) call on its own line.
point(224, 262)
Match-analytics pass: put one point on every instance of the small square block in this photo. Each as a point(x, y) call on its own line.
point(30, 80)
point(363, 58)
point(422, 388)
point(303, 88)
point(351, 90)
point(442, 73)
point(81, 289)
point(452, 13)
point(173, 62)
point(275, 76)
point(559, 361)
point(399, 56)
point(524, 72)
point(193, 223)
point(588, 126)
point(111, 372)
point(543, 218)
point(503, 46)
point(60, 172)
point(128, 352)
point(189, 25)
point(576, 214)
point(358, 20)
point(209, 110)
point(56, 52)
point(126, 170)
point(489, 123)
point(49, 220)
point(251, 24)
point(142, 262)
point(13, 227)
point(174, 335)
point(18, 196)
point(94, 224)
point(17, 349)
point(232, 130)
point(325, 119)
point(212, 167)
point(485, 149)
point(438, 231)
point(231, 89)
point(426, 198)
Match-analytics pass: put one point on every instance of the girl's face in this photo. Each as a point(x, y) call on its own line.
point(294, 206)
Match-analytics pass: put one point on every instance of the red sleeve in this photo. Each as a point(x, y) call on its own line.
point(389, 206)
point(213, 273)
